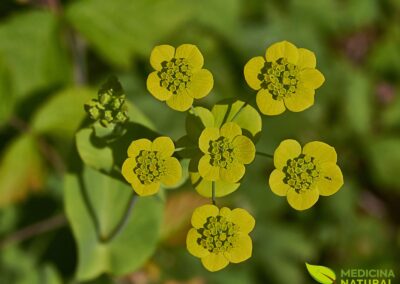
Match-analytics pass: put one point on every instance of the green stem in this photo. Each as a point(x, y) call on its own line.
point(265, 154)
point(193, 110)
point(213, 192)
point(186, 148)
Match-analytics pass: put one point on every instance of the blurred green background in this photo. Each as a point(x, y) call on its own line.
point(55, 54)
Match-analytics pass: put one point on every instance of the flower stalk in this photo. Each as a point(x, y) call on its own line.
point(264, 154)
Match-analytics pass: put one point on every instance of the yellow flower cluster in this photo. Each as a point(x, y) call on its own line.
point(285, 78)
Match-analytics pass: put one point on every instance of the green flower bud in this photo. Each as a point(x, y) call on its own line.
point(105, 98)
point(121, 117)
point(109, 107)
point(94, 113)
point(108, 115)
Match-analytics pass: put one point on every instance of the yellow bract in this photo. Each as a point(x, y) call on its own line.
point(303, 174)
point(179, 77)
point(220, 236)
point(285, 78)
point(149, 164)
point(226, 151)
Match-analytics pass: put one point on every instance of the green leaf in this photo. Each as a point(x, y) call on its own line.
point(95, 205)
point(93, 151)
point(384, 161)
point(61, 116)
point(137, 116)
point(321, 274)
point(21, 170)
point(120, 29)
point(33, 56)
point(243, 114)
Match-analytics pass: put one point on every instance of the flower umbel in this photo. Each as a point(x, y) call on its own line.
point(285, 78)
point(304, 174)
point(220, 236)
point(226, 151)
point(109, 107)
point(149, 164)
point(179, 77)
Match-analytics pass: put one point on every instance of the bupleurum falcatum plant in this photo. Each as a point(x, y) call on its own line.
point(219, 143)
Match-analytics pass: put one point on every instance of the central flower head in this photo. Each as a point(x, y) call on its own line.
point(302, 174)
point(149, 164)
point(226, 151)
point(220, 236)
point(222, 152)
point(279, 78)
point(179, 77)
point(175, 75)
point(285, 78)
